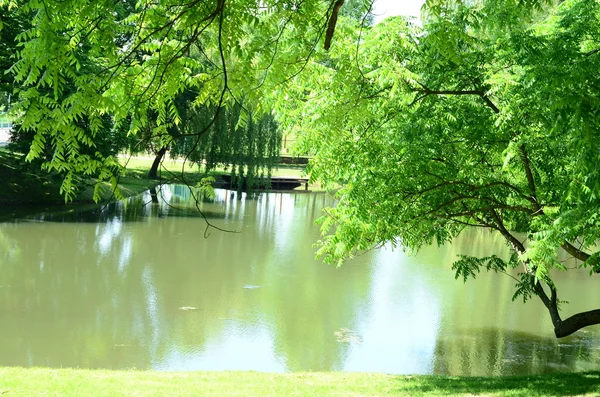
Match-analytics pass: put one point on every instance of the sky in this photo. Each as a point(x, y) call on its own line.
point(386, 8)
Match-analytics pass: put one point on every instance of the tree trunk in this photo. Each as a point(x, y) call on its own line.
point(576, 322)
point(153, 195)
point(153, 174)
point(562, 327)
point(570, 325)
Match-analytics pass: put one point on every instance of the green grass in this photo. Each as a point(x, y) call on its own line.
point(77, 382)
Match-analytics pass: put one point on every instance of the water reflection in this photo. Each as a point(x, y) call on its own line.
point(136, 284)
point(495, 351)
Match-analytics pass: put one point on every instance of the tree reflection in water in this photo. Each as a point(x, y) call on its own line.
point(496, 351)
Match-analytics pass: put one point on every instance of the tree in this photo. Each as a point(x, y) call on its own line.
point(487, 116)
point(144, 55)
point(237, 138)
point(249, 144)
point(108, 140)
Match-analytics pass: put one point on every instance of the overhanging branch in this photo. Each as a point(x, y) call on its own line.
point(575, 252)
point(426, 91)
point(570, 248)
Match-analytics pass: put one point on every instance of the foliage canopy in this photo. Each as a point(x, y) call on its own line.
point(486, 116)
point(83, 59)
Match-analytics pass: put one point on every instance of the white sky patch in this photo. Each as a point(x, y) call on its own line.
point(388, 8)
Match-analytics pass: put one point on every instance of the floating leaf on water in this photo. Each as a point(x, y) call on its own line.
point(188, 308)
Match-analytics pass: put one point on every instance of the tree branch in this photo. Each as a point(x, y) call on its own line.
point(575, 252)
point(426, 91)
point(332, 22)
point(473, 188)
point(570, 248)
point(576, 322)
point(517, 246)
point(530, 179)
point(551, 302)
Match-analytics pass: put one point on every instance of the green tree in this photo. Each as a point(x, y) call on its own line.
point(233, 137)
point(144, 55)
point(487, 116)
point(108, 140)
point(249, 144)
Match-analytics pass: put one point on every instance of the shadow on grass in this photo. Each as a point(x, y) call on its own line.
point(559, 384)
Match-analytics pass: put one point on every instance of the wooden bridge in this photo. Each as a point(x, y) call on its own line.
point(277, 183)
point(288, 183)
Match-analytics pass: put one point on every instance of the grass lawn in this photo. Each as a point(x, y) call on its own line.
point(77, 382)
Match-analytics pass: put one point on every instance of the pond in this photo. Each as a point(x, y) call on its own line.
point(140, 285)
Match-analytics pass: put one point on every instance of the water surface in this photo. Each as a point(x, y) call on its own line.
point(139, 285)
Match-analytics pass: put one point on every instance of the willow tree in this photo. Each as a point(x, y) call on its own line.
point(486, 116)
point(247, 144)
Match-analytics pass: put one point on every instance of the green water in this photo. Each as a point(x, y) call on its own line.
point(138, 285)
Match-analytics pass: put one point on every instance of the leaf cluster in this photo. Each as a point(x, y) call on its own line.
point(80, 61)
point(471, 120)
